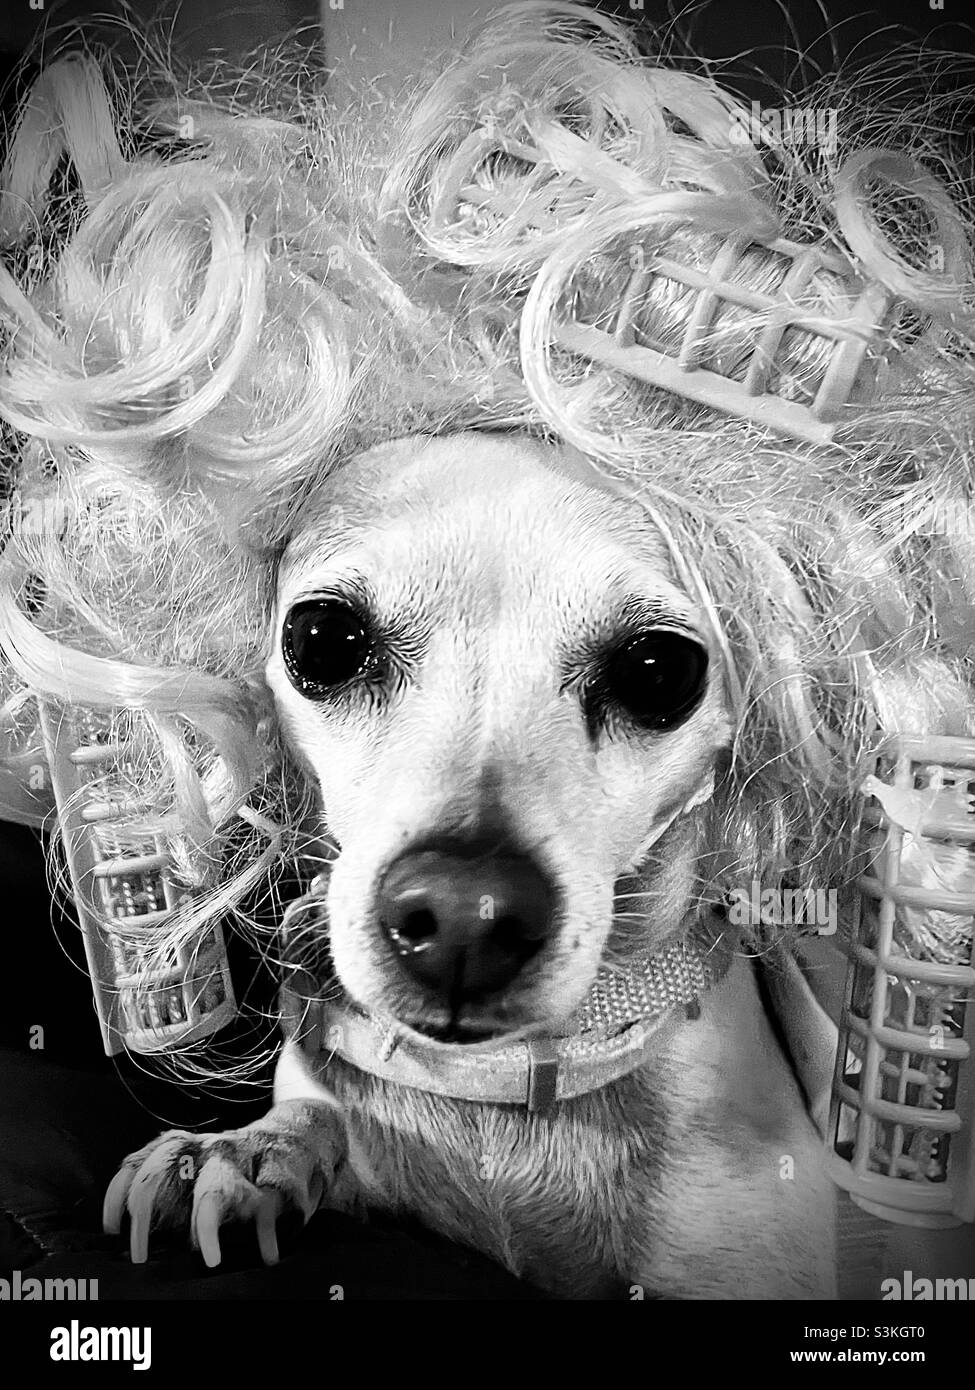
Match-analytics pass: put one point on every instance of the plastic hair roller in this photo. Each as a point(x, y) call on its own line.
point(806, 402)
point(123, 884)
point(902, 1125)
point(750, 324)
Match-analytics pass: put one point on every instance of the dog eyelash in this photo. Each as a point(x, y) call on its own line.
point(601, 717)
point(375, 690)
point(368, 694)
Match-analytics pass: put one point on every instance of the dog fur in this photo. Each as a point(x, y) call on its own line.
point(700, 1175)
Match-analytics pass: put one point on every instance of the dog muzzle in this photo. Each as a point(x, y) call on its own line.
point(612, 1034)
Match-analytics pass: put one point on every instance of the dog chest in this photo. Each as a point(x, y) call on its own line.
point(553, 1197)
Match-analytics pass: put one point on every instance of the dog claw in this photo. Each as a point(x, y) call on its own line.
point(142, 1204)
point(316, 1187)
point(206, 1229)
point(267, 1230)
point(113, 1207)
point(140, 1224)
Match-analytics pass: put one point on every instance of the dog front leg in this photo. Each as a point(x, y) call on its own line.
point(292, 1158)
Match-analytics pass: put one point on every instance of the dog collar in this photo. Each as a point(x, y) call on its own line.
point(612, 1034)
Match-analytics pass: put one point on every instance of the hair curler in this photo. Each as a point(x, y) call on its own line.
point(902, 1123)
point(789, 335)
point(123, 886)
point(765, 384)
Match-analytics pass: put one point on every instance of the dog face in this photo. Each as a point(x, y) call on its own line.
point(505, 698)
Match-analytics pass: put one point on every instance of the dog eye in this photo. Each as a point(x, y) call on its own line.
point(657, 677)
point(325, 644)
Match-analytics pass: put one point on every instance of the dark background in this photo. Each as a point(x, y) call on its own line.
point(761, 38)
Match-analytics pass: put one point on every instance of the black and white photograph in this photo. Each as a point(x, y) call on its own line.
point(487, 667)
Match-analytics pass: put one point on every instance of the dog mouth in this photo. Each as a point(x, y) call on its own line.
point(312, 976)
point(464, 1023)
point(464, 1034)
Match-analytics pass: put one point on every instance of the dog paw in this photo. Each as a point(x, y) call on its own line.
point(206, 1180)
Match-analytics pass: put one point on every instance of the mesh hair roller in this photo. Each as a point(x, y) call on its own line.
point(839, 354)
point(124, 887)
point(791, 336)
point(902, 1127)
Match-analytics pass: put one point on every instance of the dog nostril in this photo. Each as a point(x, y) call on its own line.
point(416, 926)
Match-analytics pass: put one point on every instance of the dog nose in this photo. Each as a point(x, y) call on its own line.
point(464, 923)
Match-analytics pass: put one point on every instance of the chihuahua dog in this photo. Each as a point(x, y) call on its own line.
point(494, 674)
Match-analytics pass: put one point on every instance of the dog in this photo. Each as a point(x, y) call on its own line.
point(515, 713)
